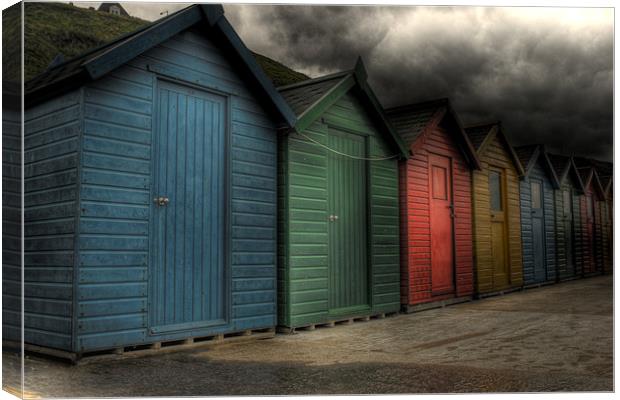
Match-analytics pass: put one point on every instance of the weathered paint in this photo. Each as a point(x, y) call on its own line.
point(12, 195)
point(318, 277)
point(591, 221)
point(537, 189)
point(497, 230)
point(435, 205)
point(567, 219)
point(97, 158)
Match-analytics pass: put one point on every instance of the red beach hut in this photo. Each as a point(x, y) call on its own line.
point(435, 201)
point(591, 214)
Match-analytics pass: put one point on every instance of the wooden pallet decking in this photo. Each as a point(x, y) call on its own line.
point(332, 323)
point(413, 308)
point(146, 349)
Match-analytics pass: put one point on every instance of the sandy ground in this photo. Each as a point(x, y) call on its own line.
point(555, 338)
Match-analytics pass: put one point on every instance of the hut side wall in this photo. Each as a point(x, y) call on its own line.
point(51, 146)
point(580, 255)
point(561, 234)
point(11, 223)
point(496, 155)
point(303, 258)
point(587, 238)
point(416, 225)
point(599, 235)
point(607, 238)
point(116, 196)
point(538, 173)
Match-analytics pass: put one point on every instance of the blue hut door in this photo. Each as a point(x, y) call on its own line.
point(538, 231)
point(348, 267)
point(567, 197)
point(188, 215)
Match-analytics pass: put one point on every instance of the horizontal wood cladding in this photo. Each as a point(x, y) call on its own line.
point(416, 225)
point(303, 224)
point(88, 166)
point(538, 173)
point(495, 155)
point(12, 151)
point(564, 237)
point(51, 145)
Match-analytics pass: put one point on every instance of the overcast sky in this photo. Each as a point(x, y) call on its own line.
point(546, 73)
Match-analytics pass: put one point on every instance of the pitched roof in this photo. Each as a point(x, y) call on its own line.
point(97, 62)
point(302, 95)
point(560, 164)
point(311, 98)
point(531, 154)
point(105, 7)
point(527, 154)
point(412, 121)
point(480, 134)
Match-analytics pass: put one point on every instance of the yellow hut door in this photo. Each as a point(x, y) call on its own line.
point(499, 240)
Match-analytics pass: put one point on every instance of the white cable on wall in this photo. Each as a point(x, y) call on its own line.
point(348, 155)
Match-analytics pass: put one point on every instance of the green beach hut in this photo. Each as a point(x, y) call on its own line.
point(338, 238)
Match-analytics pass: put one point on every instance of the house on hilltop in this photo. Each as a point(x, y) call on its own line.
point(113, 8)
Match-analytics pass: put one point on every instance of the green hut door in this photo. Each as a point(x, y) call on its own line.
point(347, 206)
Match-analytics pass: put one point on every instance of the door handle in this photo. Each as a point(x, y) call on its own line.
point(161, 201)
point(333, 218)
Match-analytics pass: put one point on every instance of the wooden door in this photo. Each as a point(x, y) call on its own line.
point(538, 230)
point(569, 230)
point(347, 214)
point(188, 274)
point(499, 240)
point(442, 230)
point(590, 232)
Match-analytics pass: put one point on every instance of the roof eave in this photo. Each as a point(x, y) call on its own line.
point(145, 39)
point(361, 76)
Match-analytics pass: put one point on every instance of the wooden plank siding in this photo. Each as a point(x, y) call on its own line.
point(95, 146)
point(116, 196)
point(538, 173)
point(303, 224)
point(12, 223)
point(496, 155)
point(416, 267)
point(561, 237)
point(607, 245)
point(51, 144)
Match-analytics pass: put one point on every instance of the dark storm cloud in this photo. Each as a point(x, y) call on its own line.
point(546, 73)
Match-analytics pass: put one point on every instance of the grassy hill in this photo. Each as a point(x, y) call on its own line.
point(53, 28)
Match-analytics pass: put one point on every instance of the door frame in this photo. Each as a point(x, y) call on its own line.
point(504, 188)
point(195, 328)
point(543, 219)
point(330, 129)
point(452, 223)
point(571, 212)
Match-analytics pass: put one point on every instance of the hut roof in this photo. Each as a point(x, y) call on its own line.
point(480, 135)
point(413, 121)
point(97, 62)
point(309, 99)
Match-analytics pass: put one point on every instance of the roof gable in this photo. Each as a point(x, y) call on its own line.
point(415, 121)
point(311, 98)
point(481, 135)
point(530, 155)
point(99, 61)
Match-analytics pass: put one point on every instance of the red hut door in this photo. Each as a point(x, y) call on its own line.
point(442, 249)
